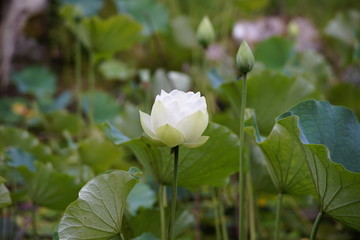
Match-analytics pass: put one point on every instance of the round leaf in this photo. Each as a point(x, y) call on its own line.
point(330, 137)
point(97, 213)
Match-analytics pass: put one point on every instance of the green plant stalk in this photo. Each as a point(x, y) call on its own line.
point(251, 207)
point(162, 211)
point(33, 221)
point(78, 75)
point(277, 220)
point(216, 214)
point(174, 192)
point(92, 89)
point(316, 225)
point(242, 229)
point(222, 217)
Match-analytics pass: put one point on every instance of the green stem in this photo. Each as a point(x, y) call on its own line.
point(316, 226)
point(216, 214)
point(277, 220)
point(174, 192)
point(92, 90)
point(33, 221)
point(162, 211)
point(222, 217)
point(251, 207)
point(242, 230)
point(78, 75)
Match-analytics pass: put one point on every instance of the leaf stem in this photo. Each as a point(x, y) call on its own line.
point(252, 224)
point(277, 220)
point(222, 216)
point(78, 75)
point(33, 221)
point(174, 192)
point(162, 211)
point(242, 230)
point(91, 97)
point(316, 225)
point(216, 214)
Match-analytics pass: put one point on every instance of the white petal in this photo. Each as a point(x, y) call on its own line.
point(197, 142)
point(145, 121)
point(170, 135)
point(160, 115)
point(193, 125)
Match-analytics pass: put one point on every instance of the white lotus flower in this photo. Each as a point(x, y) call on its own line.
point(177, 118)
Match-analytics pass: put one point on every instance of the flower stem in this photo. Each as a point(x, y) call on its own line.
point(222, 216)
point(33, 221)
point(174, 192)
point(162, 211)
point(242, 230)
point(252, 224)
point(277, 220)
point(316, 225)
point(216, 214)
point(78, 75)
point(91, 96)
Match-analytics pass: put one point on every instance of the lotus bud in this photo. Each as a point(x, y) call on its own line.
point(205, 32)
point(244, 58)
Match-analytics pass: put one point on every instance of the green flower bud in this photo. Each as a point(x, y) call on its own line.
point(244, 58)
point(205, 32)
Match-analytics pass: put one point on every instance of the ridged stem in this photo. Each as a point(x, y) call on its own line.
point(242, 229)
point(174, 192)
point(316, 225)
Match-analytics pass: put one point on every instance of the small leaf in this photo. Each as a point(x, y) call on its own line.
point(88, 7)
point(102, 105)
point(107, 36)
point(274, 52)
point(141, 196)
point(151, 14)
point(98, 212)
point(20, 158)
point(36, 80)
point(5, 199)
point(114, 134)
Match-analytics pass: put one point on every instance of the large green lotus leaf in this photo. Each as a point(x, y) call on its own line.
point(331, 136)
point(5, 198)
point(140, 223)
point(36, 80)
point(61, 121)
point(98, 211)
point(101, 155)
point(107, 36)
point(150, 13)
point(285, 160)
point(103, 106)
point(209, 164)
point(50, 188)
point(274, 52)
point(270, 94)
